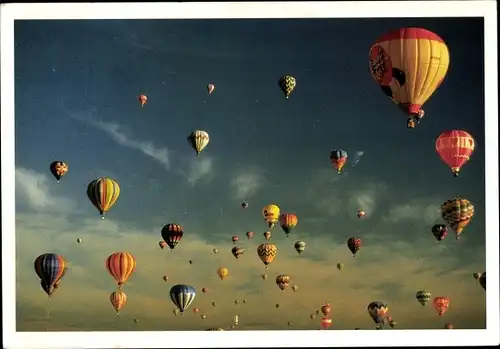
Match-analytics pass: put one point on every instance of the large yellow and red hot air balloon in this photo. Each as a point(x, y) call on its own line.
point(121, 265)
point(271, 215)
point(441, 304)
point(409, 64)
point(455, 148)
point(118, 300)
point(457, 212)
point(103, 193)
point(267, 253)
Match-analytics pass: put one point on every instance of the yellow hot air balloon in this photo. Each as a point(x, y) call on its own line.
point(282, 281)
point(457, 212)
point(271, 214)
point(222, 272)
point(409, 64)
point(118, 300)
point(287, 84)
point(198, 140)
point(267, 253)
point(288, 221)
point(103, 193)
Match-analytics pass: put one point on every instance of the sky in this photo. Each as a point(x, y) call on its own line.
point(76, 87)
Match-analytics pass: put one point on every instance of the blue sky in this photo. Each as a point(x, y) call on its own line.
point(76, 100)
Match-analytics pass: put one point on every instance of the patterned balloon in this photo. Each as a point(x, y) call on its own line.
point(378, 312)
point(282, 281)
point(457, 212)
point(267, 253)
point(423, 297)
point(354, 244)
point(182, 296)
point(50, 268)
point(121, 265)
point(271, 214)
point(288, 221)
point(198, 140)
point(143, 99)
point(118, 300)
point(300, 246)
point(455, 148)
point(103, 193)
point(172, 234)
point(287, 84)
point(267, 235)
point(439, 231)
point(249, 235)
point(58, 169)
point(237, 251)
point(338, 158)
point(441, 304)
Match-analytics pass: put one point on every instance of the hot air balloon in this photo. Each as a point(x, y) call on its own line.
point(439, 231)
point(58, 169)
point(295, 288)
point(215, 250)
point(318, 311)
point(476, 276)
point(326, 309)
point(249, 235)
point(136, 321)
point(210, 88)
point(204, 290)
point(237, 251)
point(338, 158)
point(354, 244)
point(271, 215)
point(282, 281)
point(143, 99)
point(198, 140)
point(361, 213)
point(289, 323)
point(103, 193)
point(263, 276)
point(196, 310)
point(182, 296)
point(118, 300)
point(245, 301)
point(267, 253)
point(299, 246)
point(235, 239)
point(391, 322)
point(214, 304)
point(288, 221)
point(236, 302)
point(457, 212)
point(222, 272)
point(277, 305)
point(423, 297)
point(203, 316)
point(244, 205)
point(165, 278)
point(340, 266)
point(448, 326)
point(409, 64)
point(121, 265)
point(50, 268)
point(325, 323)
point(79, 240)
point(312, 316)
point(482, 280)
point(441, 304)
point(287, 84)
point(236, 320)
point(378, 312)
point(455, 148)
point(172, 234)
point(267, 235)
point(162, 244)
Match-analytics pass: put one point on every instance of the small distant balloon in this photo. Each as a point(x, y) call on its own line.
point(244, 205)
point(143, 99)
point(210, 88)
point(79, 240)
point(58, 169)
point(361, 213)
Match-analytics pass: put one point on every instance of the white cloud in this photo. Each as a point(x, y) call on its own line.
point(161, 154)
point(426, 210)
point(246, 184)
point(200, 168)
point(366, 198)
point(32, 189)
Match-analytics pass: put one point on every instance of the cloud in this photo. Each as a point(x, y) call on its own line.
point(114, 130)
point(246, 184)
point(32, 189)
point(427, 210)
point(366, 198)
point(200, 168)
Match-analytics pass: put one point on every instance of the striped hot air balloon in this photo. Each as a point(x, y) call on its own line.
point(172, 234)
point(118, 300)
point(455, 149)
point(103, 193)
point(50, 268)
point(182, 296)
point(267, 253)
point(457, 212)
point(121, 265)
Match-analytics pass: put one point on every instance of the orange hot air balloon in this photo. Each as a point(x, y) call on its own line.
point(361, 213)
point(121, 265)
point(267, 253)
point(118, 300)
point(143, 99)
point(409, 64)
point(196, 310)
point(455, 148)
point(288, 221)
point(325, 323)
point(162, 244)
point(441, 304)
point(326, 309)
point(267, 235)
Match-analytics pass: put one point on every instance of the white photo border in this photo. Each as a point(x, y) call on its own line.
point(198, 339)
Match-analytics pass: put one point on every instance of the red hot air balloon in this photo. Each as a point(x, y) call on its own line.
point(455, 148)
point(326, 309)
point(354, 244)
point(172, 234)
point(325, 323)
point(249, 235)
point(143, 99)
point(441, 304)
point(235, 239)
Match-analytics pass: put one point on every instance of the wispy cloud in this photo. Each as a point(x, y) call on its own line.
point(246, 184)
point(32, 190)
point(427, 210)
point(115, 131)
point(200, 168)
